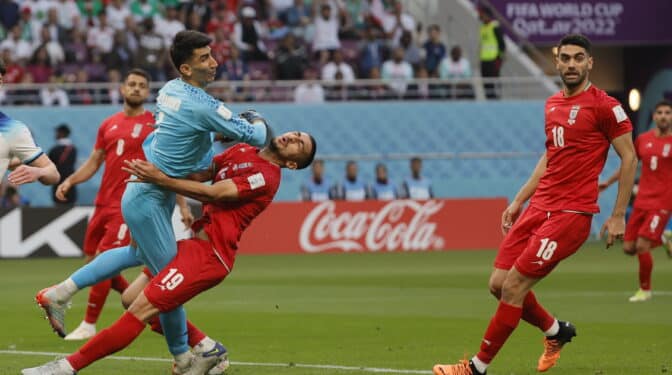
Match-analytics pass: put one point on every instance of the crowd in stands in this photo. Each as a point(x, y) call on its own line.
point(337, 41)
point(351, 188)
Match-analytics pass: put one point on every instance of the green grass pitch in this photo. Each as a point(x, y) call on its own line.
point(399, 311)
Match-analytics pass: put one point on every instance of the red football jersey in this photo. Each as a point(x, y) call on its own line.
point(579, 131)
point(655, 153)
point(121, 138)
point(257, 181)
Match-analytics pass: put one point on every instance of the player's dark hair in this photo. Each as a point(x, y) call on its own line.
point(381, 165)
point(416, 159)
point(308, 160)
point(663, 103)
point(3, 69)
point(138, 72)
point(184, 44)
point(576, 40)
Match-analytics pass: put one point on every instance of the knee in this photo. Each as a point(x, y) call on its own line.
point(513, 290)
point(495, 287)
point(629, 248)
point(641, 248)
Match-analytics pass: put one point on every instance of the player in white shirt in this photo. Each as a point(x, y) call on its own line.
point(17, 146)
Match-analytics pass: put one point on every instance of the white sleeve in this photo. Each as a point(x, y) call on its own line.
point(22, 145)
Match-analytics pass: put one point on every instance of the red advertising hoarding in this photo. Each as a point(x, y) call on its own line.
point(376, 226)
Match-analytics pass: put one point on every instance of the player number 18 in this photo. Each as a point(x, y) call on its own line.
point(558, 136)
point(547, 249)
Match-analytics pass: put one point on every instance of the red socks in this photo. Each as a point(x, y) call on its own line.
point(535, 314)
point(195, 335)
point(98, 295)
point(645, 269)
point(501, 326)
point(110, 340)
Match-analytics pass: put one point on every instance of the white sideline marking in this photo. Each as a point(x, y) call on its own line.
point(258, 364)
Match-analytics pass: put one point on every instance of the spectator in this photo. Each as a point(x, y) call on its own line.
point(30, 29)
point(117, 11)
point(89, 11)
point(376, 91)
point(121, 57)
point(225, 20)
point(12, 199)
point(382, 189)
point(56, 31)
point(235, 68)
point(372, 53)
point(200, 9)
point(194, 22)
point(247, 36)
point(455, 66)
point(298, 18)
point(54, 95)
point(169, 25)
point(68, 14)
point(38, 9)
point(493, 49)
point(13, 71)
point(143, 9)
point(80, 95)
point(435, 50)
point(309, 92)
point(220, 48)
point(279, 9)
point(75, 49)
point(335, 66)
point(290, 59)
point(40, 66)
point(325, 38)
point(398, 72)
point(151, 53)
point(416, 186)
point(64, 155)
point(100, 38)
point(53, 47)
point(351, 189)
point(412, 53)
point(114, 83)
point(317, 188)
point(397, 22)
point(9, 14)
point(19, 48)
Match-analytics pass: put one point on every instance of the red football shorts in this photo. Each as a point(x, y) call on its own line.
point(539, 240)
point(195, 269)
point(649, 224)
point(106, 230)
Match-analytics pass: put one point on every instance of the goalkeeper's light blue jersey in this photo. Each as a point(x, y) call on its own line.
point(186, 116)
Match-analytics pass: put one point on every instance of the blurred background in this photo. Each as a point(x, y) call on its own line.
point(457, 84)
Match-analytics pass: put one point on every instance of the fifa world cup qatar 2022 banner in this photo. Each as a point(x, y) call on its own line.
point(291, 227)
point(603, 21)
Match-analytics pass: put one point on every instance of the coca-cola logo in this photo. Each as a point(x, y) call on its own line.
point(399, 225)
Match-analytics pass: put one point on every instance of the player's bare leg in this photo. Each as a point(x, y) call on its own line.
point(204, 350)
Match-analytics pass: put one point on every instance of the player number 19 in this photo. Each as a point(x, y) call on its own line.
point(172, 279)
point(558, 136)
point(547, 249)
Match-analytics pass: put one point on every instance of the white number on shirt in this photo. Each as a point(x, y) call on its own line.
point(546, 249)
point(654, 163)
point(558, 136)
point(654, 223)
point(120, 147)
point(172, 279)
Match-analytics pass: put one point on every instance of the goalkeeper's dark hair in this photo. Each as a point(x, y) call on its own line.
point(3, 69)
point(576, 40)
point(301, 164)
point(663, 103)
point(184, 44)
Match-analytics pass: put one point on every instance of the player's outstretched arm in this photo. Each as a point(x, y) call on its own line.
point(615, 224)
point(225, 190)
point(512, 212)
point(83, 173)
point(239, 128)
point(41, 169)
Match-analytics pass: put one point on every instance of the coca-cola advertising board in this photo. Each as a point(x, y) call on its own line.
point(376, 226)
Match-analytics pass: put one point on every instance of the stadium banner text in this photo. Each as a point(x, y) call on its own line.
point(603, 21)
point(291, 227)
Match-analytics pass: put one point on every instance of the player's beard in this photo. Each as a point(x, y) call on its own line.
point(273, 146)
point(133, 103)
point(575, 82)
